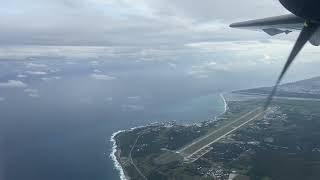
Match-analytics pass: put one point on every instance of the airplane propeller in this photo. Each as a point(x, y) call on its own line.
point(306, 34)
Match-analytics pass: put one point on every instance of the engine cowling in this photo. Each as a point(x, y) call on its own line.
point(315, 39)
point(308, 9)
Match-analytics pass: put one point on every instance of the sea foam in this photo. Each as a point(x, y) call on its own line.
point(113, 156)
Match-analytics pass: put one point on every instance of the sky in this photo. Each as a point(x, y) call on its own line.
point(148, 30)
point(125, 22)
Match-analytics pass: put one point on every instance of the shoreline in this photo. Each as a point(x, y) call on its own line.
point(113, 155)
point(225, 103)
point(114, 158)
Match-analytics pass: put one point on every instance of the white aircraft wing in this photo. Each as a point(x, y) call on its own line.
point(273, 25)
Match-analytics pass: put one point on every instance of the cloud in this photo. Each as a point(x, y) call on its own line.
point(134, 98)
point(37, 52)
point(139, 29)
point(34, 91)
point(124, 22)
point(13, 84)
point(21, 76)
point(266, 52)
point(102, 77)
point(144, 31)
point(36, 72)
point(130, 107)
point(34, 95)
point(47, 79)
point(97, 71)
point(109, 100)
point(172, 65)
point(202, 70)
point(94, 63)
point(36, 65)
point(2, 99)
point(241, 46)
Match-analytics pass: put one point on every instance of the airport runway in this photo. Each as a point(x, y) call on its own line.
point(201, 146)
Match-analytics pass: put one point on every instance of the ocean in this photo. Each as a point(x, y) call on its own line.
point(64, 149)
point(58, 126)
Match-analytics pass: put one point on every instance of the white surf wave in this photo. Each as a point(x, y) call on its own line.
point(225, 103)
point(113, 156)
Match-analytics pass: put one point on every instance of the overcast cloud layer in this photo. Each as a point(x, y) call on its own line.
point(126, 22)
point(143, 31)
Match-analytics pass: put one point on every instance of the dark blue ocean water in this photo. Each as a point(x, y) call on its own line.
point(73, 142)
point(63, 132)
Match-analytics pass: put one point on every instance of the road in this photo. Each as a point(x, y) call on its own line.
point(132, 162)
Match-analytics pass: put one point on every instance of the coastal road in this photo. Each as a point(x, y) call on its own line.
point(132, 162)
point(201, 146)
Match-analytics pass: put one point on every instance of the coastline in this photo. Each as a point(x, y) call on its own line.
point(225, 106)
point(113, 155)
point(225, 103)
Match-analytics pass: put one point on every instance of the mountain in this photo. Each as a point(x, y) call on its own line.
point(309, 88)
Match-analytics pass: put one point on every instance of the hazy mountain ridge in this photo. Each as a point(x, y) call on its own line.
point(309, 88)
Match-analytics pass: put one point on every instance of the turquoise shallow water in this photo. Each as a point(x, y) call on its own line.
point(196, 109)
point(193, 110)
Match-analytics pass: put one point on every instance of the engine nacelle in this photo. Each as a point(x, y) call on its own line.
point(315, 39)
point(308, 9)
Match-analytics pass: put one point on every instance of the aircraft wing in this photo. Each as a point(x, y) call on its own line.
point(273, 25)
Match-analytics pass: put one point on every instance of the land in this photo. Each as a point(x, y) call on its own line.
point(305, 89)
point(247, 142)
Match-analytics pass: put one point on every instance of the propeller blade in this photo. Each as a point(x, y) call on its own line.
point(305, 35)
